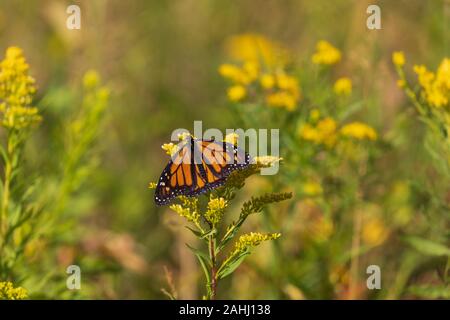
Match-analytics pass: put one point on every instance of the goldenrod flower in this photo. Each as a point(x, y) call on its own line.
point(183, 136)
point(170, 148)
point(282, 99)
point(267, 81)
point(17, 89)
point(314, 114)
point(324, 132)
point(312, 188)
point(374, 232)
point(215, 210)
point(359, 130)
point(251, 69)
point(435, 87)
point(91, 79)
point(343, 86)
point(401, 83)
point(252, 239)
point(232, 138)
point(8, 292)
point(236, 93)
point(398, 58)
point(187, 209)
point(235, 74)
point(326, 54)
point(257, 48)
point(267, 161)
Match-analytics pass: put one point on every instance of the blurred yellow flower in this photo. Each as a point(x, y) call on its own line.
point(343, 86)
point(323, 133)
point(327, 129)
point(267, 81)
point(401, 83)
point(236, 93)
point(91, 79)
point(312, 188)
point(374, 232)
point(17, 89)
point(257, 48)
point(359, 130)
point(252, 70)
point(234, 73)
point(398, 58)
point(314, 115)
point(8, 292)
point(262, 60)
point(326, 54)
point(282, 99)
point(435, 87)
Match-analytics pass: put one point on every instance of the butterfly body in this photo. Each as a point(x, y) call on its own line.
point(198, 166)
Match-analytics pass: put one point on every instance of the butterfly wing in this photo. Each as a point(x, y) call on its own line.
point(199, 166)
point(176, 178)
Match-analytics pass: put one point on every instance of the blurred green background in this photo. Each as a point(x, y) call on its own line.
point(160, 61)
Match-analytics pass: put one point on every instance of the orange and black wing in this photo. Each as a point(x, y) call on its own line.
point(199, 166)
point(177, 177)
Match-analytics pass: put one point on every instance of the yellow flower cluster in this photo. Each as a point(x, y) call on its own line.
point(215, 210)
point(343, 86)
point(398, 58)
point(255, 47)
point(260, 66)
point(188, 209)
point(17, 89)
point(8, 292)
point(169, 148)
point(359, 131)
point(435, 86)
point(287, 93)
point(374, 231)
point(326, 54)
point(252, 239)
point(231, 138)
point(312, 188)
point(325, 131)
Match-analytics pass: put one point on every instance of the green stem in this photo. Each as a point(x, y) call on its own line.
point(8, 173)
point(212, 255)
point(6, 188)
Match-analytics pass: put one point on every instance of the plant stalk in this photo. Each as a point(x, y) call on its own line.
point(212, 255)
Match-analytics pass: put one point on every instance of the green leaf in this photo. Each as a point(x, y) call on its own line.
point(232, 265)
point(195, 232)
point(431, 292)
point(200, 253)
point(427, 247)
point(234, 228)
point(204, 261)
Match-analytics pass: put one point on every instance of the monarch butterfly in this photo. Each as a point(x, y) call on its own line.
point(198, 166)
